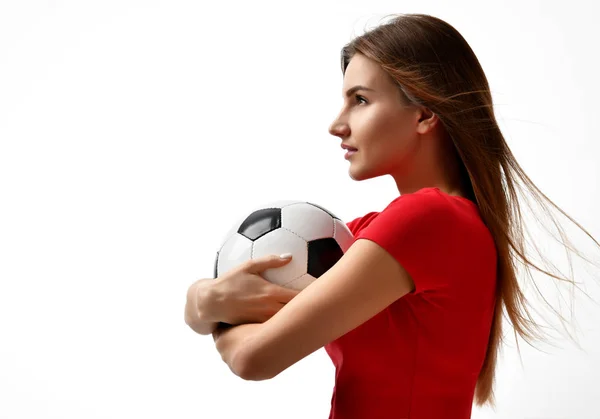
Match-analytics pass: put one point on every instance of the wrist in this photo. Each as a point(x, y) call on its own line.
point(209, 297)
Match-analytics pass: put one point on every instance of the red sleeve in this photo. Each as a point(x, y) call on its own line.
point(417, 230)
point(357, 224)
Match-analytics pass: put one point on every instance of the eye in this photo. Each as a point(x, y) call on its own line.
point(360, 98)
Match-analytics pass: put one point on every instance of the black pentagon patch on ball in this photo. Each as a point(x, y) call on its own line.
point(260, 223)
point(323, 209)
point(322, 255)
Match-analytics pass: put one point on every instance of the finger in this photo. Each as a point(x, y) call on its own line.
point(258, 265)
point(283, 294)
point(270, 311)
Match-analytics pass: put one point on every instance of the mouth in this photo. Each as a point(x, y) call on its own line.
point(349, 150)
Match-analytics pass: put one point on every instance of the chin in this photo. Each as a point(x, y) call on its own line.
point(359, 175)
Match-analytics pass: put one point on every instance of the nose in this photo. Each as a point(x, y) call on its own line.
point(339, 129)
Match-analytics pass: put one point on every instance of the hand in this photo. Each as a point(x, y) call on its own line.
point(241, 295)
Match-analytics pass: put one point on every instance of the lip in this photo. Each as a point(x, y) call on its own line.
point(350, 153)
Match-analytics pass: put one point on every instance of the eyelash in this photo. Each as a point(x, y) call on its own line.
point(359, 98)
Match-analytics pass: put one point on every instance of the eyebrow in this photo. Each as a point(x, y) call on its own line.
point(355, 89)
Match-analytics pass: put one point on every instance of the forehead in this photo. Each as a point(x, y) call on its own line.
point(363, 70)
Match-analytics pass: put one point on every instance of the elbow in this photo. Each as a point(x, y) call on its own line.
point(248, 366)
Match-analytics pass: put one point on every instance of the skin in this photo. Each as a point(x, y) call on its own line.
point(405, 142)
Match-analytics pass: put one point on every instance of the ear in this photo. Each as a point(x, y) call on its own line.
point(427, 121)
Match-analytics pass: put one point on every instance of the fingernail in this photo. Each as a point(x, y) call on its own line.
point(285, 256)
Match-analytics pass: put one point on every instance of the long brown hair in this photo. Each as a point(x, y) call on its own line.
point(434, 67)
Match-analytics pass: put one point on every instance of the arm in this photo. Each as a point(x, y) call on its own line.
point(362, 283)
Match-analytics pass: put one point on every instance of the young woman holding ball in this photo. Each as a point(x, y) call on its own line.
point(411, 315)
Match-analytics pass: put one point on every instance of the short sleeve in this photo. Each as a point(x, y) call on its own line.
point(417, 230)
point(358, 223)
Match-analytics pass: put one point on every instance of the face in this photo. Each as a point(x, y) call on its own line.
point(374, 121)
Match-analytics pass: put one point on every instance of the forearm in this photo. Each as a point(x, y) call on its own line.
point(232, 344)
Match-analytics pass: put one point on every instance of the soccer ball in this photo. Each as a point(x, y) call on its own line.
point(315, 237)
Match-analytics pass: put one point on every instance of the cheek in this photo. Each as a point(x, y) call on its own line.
point(381, 133)
point(372, 127)
point(387, 135)
point(392, 145)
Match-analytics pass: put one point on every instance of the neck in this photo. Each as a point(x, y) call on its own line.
point(438, 167)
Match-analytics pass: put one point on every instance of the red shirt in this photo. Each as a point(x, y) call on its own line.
point(420, 357)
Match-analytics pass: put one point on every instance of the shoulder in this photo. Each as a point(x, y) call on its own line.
point(423, 210)
point(424, 202)
point(427, 204)
point(430, 208)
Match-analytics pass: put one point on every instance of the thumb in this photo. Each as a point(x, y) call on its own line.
point(261, 264)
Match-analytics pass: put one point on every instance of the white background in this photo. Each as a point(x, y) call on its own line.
point(133, 133)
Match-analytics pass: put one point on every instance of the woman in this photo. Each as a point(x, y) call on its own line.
point(411, 315)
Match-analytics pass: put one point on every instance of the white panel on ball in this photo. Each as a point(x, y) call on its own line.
point(236, 250)
point(342, 235)
point(281, 241)
point(234, 228)
point(308, 221)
